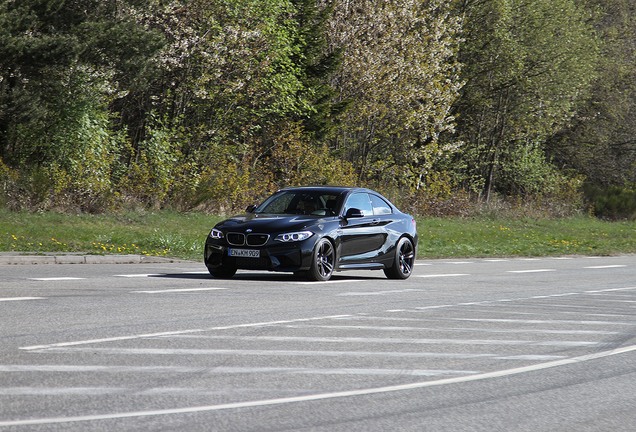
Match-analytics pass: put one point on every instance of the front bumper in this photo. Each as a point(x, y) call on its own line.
point(284, 257)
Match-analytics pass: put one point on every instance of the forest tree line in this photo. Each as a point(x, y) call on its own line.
point(214, 103)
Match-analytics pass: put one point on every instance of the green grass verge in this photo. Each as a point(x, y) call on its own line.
point(163, 233)
point(512, 237)
point(173, 234)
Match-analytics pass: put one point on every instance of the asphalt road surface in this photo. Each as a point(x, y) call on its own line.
point(466, 345)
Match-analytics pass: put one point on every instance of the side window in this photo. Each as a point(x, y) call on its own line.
point(360, 201)
point(380, 207)
point(328, 203)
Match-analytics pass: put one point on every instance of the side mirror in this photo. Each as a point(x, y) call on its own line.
point(250, 209)
point(354, 213)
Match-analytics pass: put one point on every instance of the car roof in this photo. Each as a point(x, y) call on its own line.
point(328, 189)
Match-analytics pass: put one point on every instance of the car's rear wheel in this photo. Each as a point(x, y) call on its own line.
point(222, 272)
point(404, 260)
point(323, 261)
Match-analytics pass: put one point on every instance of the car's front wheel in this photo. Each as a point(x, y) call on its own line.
point(404, 260)
point(222, 272)
point(323, 261)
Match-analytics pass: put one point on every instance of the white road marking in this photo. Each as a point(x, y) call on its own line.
point(610, 295)
point(5, 299)
point(442, 275)
point(328, 395)
point(374, 293)
point(613, 300)
point(55, 278)
point(144, 275)
point(575, 306)
point(610, 290)
point(434, 307)
point(227, 370)
point(604, 266)
point(177, 290)
point(531, 271)
point(61, 391)
point(490, 330)
point(559, 322)
point(331, 281)
point(374, 340)
point(299, 353)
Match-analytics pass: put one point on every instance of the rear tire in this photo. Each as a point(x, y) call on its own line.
point(323, 261)
point(404, 260)
point(222, 272)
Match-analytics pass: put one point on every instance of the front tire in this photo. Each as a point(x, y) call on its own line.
point(323, 261)
point(404, 260)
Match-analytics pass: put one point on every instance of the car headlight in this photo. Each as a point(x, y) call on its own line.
point(294, 236)
point(216, 234)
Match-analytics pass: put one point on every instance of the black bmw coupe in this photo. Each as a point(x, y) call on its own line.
point(315, 231)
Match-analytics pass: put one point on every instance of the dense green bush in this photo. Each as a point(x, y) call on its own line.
point(612, 202)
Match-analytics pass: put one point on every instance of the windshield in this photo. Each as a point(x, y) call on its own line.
point(300, 203)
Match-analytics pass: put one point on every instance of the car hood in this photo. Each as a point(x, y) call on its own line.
point(266, 223)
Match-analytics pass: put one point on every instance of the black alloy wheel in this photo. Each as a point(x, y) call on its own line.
point(323, 261)
point(404, 260)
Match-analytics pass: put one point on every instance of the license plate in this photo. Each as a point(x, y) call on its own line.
point(245, 253)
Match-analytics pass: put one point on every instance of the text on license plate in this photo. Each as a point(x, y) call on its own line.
point(245, 253)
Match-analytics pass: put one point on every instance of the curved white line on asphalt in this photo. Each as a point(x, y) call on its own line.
point(324, 396)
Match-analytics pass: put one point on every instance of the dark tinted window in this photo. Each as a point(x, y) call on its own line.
point(277, 203)
point(300, 202)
